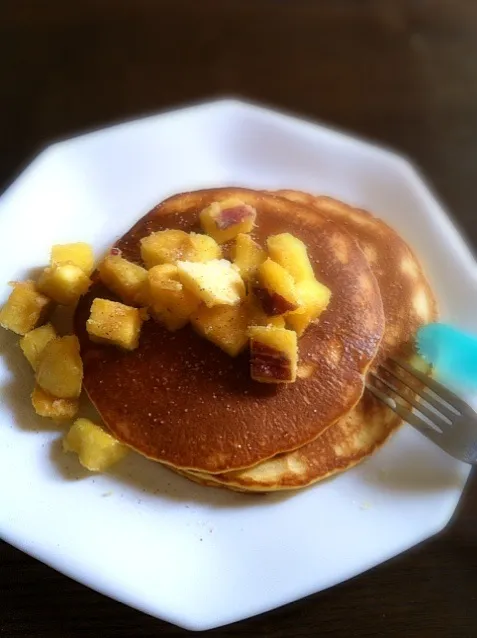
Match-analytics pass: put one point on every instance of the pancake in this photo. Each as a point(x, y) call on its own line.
point(180, 400)
point(408, 303)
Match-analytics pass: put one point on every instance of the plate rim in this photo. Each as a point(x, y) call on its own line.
point(420, 182)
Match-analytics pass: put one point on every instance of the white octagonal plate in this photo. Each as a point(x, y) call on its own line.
point(201, 557)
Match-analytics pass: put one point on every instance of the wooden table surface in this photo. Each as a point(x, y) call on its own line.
point(400, 72)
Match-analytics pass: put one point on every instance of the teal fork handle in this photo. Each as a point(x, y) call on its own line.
point(451, 352)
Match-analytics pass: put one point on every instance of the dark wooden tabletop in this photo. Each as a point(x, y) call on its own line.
point(402, 72)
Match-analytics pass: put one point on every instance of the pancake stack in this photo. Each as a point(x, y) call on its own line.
point(181, 401)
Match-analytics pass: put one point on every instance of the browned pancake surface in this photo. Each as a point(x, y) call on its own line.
point(180, 400)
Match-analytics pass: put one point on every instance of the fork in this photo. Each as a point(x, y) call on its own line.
point(440, 415)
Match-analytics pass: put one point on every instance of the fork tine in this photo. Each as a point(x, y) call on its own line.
point(427, 431)
point(434, 417)
point(423, 392)
point(440, 390)
point(403, 412)
point(408, 416)
point(458, 438)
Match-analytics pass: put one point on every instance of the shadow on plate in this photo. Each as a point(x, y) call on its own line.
point(141, 476)
point(417, 469)
point(16, 391)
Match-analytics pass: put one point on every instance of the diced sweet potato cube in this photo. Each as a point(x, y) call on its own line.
point(314, 298)
point(60, 368)
point(34, 342)
point(97, 450)
point(226, 326)
point(114, 323)
point(275, 289)
point(274, 354)
point(291, 253)
point(47, 405)
point(169, 246)
point(79, 254)
point(248, 256)
point(25, 308)
point(163, 277)
point(170, 302)
point(202, 248)
point(64, 283)
point(214, 282)
point(171, 320)
point(257, 316)
point(225, 220)
point(127, 280)
point(165, 247)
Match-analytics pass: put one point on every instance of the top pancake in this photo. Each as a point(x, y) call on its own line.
point(180, 400)
point(408, 303)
